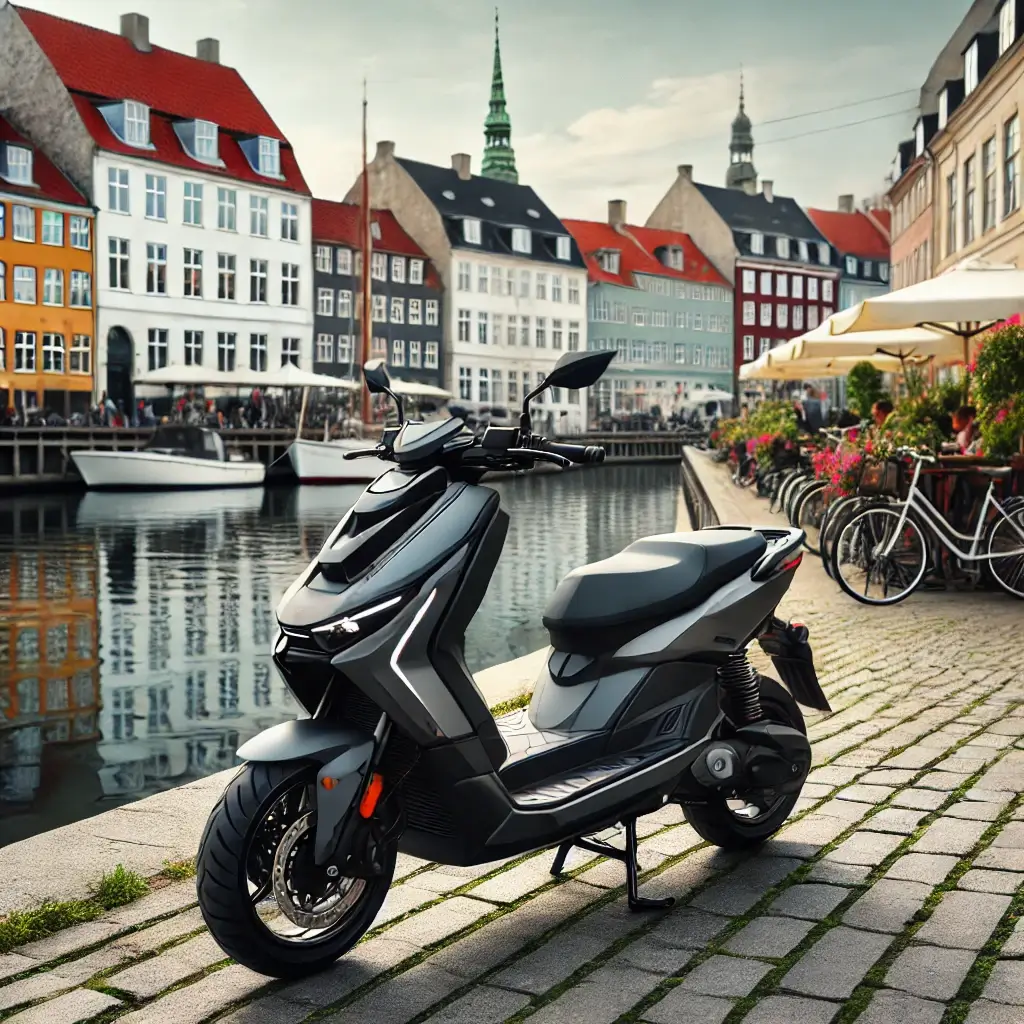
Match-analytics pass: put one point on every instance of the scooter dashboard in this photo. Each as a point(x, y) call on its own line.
point(417, 442)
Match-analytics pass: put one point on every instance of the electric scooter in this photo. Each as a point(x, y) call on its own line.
point(647, 698)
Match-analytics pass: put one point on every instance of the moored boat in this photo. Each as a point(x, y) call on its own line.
point(324, 462)
point(176, 458)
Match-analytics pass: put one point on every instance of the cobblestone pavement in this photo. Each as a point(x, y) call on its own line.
point(893, 895)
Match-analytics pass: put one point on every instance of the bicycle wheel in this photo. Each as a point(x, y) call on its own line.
point(836, 517)
point(809, 514)
point(1006, 538)
point(791, 498)
point(859, 561)
point(797, 499)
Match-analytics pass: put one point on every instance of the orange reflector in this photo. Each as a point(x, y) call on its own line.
point(369, 802)
point(328, 783)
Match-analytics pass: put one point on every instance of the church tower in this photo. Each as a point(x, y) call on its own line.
point(499, 157)
point(741, 173)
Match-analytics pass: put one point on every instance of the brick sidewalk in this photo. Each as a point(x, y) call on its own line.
point(891, 896)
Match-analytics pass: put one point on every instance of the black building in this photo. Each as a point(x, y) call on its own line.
point(407, 296)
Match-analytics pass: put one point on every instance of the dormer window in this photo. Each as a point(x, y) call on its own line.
point(136, 123)
point(206, 140)
point(851, 266)
point(1007, 25)
point(18, 165)
point(782, 248)
point(757, 243)
point(522, 240)
point(943, 108)
point(803, 250)
point(563, 247)
point(270, 157)
point(971, 68)
point(471, 231)
point(375, 231)
point(608, 260)
point(919, 138)
point(673, 257)
point(824, 256)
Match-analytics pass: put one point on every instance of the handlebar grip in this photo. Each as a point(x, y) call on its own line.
point(578, 453)
point(364, 453)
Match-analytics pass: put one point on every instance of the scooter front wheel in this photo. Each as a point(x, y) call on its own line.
point(265, 901)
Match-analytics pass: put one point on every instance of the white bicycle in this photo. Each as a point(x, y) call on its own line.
point(888, 546)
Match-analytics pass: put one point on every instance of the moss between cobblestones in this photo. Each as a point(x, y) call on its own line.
point(179, 870)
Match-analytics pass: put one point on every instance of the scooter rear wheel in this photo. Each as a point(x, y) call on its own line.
point(730, 828)
point(266, 903)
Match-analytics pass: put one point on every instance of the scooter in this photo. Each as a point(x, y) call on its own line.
point(647, 698)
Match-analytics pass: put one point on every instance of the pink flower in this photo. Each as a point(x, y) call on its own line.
point(1001, 416)
point(971, 367)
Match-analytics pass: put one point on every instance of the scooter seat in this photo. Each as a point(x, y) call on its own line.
point(598, 607)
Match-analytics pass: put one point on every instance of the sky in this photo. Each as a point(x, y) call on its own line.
point(606, 97)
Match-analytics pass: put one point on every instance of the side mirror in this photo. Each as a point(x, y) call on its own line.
point(375, 373)
point(578, 370)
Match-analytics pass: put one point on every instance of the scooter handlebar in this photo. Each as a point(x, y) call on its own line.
point(581, 454)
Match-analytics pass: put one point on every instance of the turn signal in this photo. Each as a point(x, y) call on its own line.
point(328, 783)
point(369, 802)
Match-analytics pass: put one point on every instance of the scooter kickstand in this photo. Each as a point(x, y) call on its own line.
point(635, 900)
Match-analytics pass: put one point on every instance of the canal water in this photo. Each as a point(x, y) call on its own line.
point(135, 628)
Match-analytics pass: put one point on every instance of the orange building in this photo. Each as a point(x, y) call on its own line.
point(47, 316)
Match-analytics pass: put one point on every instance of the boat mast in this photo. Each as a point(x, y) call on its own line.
point(367, 255)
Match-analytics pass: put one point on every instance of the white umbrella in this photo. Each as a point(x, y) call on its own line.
point(813, 369)
point(413, 389)
point(290, 376)
point(709, 395)
point(913, 343)
point(195, 376)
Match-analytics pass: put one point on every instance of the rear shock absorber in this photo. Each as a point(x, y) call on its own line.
point(740, 684)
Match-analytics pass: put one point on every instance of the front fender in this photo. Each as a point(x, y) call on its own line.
point(305, 739)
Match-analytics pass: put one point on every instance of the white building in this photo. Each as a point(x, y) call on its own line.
point(203, 231)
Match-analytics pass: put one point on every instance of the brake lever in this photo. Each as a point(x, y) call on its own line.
point(539, 456)
point(365, 453)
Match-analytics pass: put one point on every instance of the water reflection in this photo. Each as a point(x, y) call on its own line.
point(135, 629)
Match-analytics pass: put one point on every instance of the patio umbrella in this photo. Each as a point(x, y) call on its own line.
point(913, 343)
point(766, 368)
point(414, 389)
point(290, 376)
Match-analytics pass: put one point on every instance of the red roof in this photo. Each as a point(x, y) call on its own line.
point(852, 234)
point(95, 65)
point(636, 247)
point(884, 217)
point(50, 183)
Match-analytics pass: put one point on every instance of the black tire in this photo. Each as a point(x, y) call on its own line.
point(1003, 535)
point(810, 513)
point(715, 822)
point(866, 527)
point(223, 885)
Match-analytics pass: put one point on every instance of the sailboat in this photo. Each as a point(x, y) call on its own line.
point(324, 462)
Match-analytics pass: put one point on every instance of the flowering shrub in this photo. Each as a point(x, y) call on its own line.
point(998, 389)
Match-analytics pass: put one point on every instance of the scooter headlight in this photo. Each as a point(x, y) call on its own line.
point(347, 630)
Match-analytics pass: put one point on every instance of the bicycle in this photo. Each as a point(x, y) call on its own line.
point(890, 544)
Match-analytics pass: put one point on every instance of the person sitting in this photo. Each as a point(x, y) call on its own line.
point(881, 411)
point(966, 430)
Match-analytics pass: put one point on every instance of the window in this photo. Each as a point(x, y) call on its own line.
point(971, 68)
point(1007, 25)
point(748, 347)
point(482, 279)
point(464, 282)
point(136, 123)
point(117, 189)
point(826, 312)
point(542, 285)
point(397, 310)
point(193, 273)
point(227, 209)
point(157, 348)
point(156, 269)
point(226, 351)
point(19, 165)
point(764, 345)
point(556, 287)
point(524, 284)
point(798, 318)
point(24, 352)
point(344, 303)
point(943, 108)
point(804, 250)
point(766, 314)
point(432, 312)
point(156, 197)
point(969, 195)
point(325, 301)
point(398, 269)
point(81, 289)
point(483, 378)
point(464, 324)
point(415, 271)
point(379, 267)
point(749, 313)
point(574, 291)
point(53, 228)
point(53, 287)
point(226, 276)
point(563, 247)
point(524, 330)
point(375, 231)
point(193, 348)
point(194, 203)
point(782, 248)
point(431, 354)
point(118, 252)
point(380, 309)
point(698, 321)
point(824, 254)
point(782, 315)
point(574, 335)
point(812, 289)
point(259, 216)
point(1011, 165)
point(541, 332)
point(257, 280)
point(80, 232)
point(289, 284)
point(749, 281)
point(416, 311)
point(781, 285)
point(766, 282)
point(988, 173)
point(397, 352)
point(289, 351)
point(883, 271)
point(851, 266)
point(951, 213)
point(609, 261)
point(205, 144)
point(797, 287)
point(465, 383)
point(481, 328)
point(812, 317)
point(556, 335)
point(415, 353)
point(522, 240)
point(81, 354)
point(757, 243)
point(323, 259)
point(471, 230)
point(258, 353)
point(826, 290)
point(290, 222)
point(345, 348)
point(344, 261)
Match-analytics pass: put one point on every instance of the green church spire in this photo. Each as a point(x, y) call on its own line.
point(499, 157)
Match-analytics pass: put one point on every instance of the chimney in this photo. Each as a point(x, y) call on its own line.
point(766, 190)
point(750, 188)
point(460, 164)
point(385, 151)
point(846, 204)
point(136, 28)
point(686, 171)
point(617, 213)
point(208, 50)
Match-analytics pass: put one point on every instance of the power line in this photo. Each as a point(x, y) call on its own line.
point(839, 106)
point(837, 127)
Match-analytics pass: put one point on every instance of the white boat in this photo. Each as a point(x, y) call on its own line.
point(324, 462)
point(177, 457)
